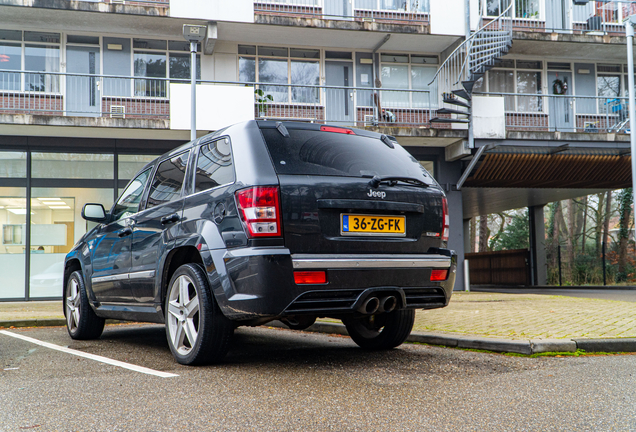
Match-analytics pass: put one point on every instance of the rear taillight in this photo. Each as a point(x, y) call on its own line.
point(445, 220)
point(310, 277)
point(259, 208)
point(439, 275)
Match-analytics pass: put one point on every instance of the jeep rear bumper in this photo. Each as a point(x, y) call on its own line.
point(255, 283)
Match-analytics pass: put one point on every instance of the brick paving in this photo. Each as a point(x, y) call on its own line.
point(529, 316)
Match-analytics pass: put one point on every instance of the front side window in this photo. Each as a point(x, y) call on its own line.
point(168, 181)
point(128, 202)
point(214, 165)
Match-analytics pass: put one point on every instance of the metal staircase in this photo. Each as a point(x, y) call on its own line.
point(456, 77)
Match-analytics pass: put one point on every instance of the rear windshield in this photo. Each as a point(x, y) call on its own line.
point(312, 152)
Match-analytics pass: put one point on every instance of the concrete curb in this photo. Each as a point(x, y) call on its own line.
point(43, 322)
point(453, 341)
point(527, 347)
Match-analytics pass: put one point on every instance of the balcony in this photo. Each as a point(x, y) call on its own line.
point(525, 112)
point(545, 16)
point(389, 11)
point(108, 100)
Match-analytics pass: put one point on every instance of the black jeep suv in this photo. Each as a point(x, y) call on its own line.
point(266, 221)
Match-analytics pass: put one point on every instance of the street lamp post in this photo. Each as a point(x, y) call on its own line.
point(193, 34)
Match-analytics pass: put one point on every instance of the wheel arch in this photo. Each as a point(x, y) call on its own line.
point(175, 259)
point(70, 266)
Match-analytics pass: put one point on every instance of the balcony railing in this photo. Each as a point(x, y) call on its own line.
point(564, 16)
point(83, 95)
point(397, 11)
point(564, 113)
point(156, 3)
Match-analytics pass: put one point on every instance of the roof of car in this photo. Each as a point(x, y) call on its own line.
point(262, 124)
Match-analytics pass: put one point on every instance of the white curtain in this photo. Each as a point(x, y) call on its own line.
point(52, 64)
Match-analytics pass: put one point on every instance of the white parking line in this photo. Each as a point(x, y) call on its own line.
point(91, 356)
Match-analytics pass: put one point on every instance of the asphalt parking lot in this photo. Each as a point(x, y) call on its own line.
point(281, 380)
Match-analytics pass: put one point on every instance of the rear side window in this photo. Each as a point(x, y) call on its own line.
point(168, 181)
point(314, 152)
point(214, 165)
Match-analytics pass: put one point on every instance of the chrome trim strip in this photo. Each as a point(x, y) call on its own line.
point(255, 251)
point(141, 274)
point(122, 276)
point(305, 261)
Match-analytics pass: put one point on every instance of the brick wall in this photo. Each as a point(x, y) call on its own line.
point(138, 107)
point(16, 103)
point(527, 121)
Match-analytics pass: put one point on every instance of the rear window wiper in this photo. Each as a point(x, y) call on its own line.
point(393, 180)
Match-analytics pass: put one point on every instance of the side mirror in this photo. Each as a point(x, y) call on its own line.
point(94, 213)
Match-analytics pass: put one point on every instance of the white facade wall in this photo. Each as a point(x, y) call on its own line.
point(214, 10)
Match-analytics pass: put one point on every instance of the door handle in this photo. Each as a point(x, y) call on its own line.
point(125, 232)
point(170, 219)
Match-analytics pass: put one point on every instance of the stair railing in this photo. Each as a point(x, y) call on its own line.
point(474, 55)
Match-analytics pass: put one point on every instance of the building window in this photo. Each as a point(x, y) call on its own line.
point(161, 59)
point(287, 71)
point(408, 72)
point(520, 77)
point(421, 6)
point(39, 52)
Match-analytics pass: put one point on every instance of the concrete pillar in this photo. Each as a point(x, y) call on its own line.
point(539, 273)
point(456, 238)
point(448, 175)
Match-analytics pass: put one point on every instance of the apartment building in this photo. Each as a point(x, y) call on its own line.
point(530, 108)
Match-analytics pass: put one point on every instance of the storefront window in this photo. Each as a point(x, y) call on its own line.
point(56, 225)
point(13, 164)
point(73, 165)
point(129, 165)
point(13, 234)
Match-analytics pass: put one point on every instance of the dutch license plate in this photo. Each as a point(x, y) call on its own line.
point(354, 224)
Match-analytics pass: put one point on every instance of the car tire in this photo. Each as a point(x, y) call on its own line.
point(196, 329)
point(382, 331)
point(81, 321)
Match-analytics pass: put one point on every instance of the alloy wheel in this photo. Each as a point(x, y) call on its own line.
point(183, 315)
point(73, 305)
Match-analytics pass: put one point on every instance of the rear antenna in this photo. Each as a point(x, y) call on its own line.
point(386, 140)
point(282, 129)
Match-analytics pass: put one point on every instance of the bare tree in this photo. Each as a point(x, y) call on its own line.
point(608, 215)
point(484, 233)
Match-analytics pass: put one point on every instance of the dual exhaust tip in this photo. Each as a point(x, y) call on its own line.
point(378, 305)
